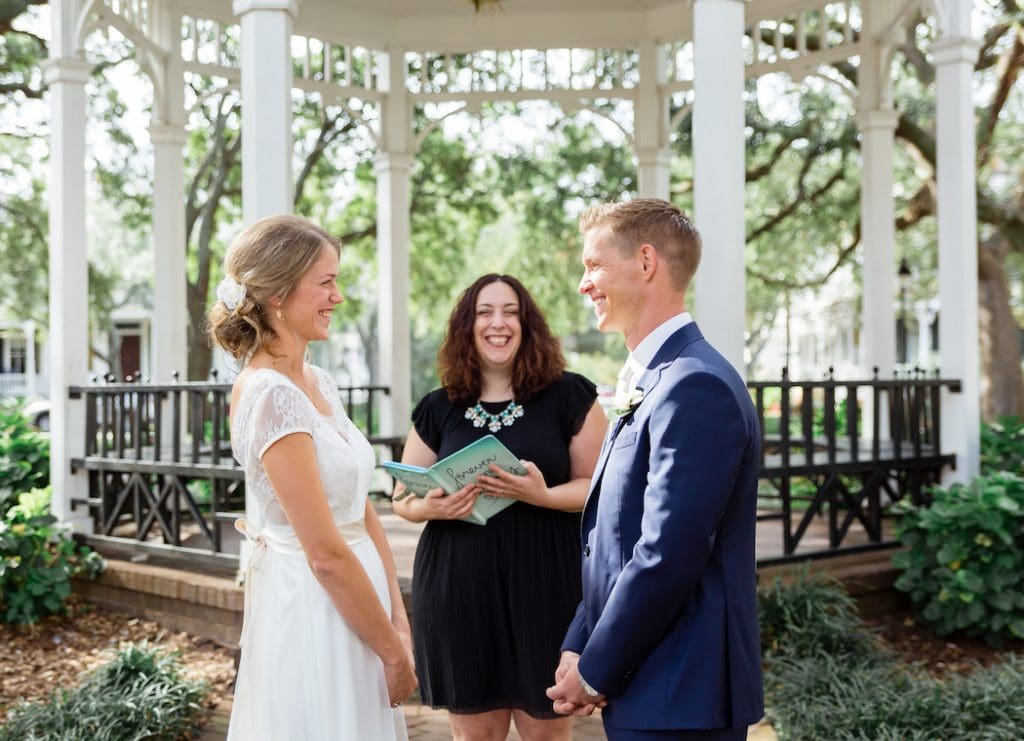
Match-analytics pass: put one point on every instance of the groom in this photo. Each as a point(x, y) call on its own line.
point(666, 637)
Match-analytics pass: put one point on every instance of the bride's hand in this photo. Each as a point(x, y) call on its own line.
point(401, 680)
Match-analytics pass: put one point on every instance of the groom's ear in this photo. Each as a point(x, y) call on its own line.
point(647, 257)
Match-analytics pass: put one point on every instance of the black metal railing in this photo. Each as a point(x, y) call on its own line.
point(159, 461)
point(838, 454)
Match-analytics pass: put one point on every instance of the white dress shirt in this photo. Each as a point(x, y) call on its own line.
point(644, 353)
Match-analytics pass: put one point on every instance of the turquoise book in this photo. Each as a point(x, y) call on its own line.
point(453, 472)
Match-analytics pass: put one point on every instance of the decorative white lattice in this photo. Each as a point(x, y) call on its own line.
point(137, 13)
point(537, 72)
point(210, 47)
point(805, 39)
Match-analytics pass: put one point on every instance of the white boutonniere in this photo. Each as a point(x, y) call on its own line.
point(626, 403)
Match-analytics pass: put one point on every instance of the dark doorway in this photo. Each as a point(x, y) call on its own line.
point(130, 355)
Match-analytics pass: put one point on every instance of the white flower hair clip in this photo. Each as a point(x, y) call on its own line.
point(230, 292)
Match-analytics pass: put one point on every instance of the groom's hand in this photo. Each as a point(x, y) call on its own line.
point(567, 694)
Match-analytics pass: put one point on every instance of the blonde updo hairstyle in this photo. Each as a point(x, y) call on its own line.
point(267, 259)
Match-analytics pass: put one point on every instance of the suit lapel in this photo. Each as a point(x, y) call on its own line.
point(668, 352)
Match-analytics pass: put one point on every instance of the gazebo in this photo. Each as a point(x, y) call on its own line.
point(399, 54)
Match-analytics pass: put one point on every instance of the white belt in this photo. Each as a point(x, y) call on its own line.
point(282, 540)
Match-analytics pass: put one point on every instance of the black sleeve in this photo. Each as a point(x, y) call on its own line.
point(426, 418)
point(580, 393)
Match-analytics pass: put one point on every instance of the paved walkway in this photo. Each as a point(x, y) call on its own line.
point(425, 724)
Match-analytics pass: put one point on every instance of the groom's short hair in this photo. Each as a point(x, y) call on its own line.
point(650, 221)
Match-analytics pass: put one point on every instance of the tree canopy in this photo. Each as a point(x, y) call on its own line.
point(482, 202)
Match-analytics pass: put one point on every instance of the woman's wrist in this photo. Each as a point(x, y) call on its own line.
point(399, 618)
point(407, 508)
point(394, 653)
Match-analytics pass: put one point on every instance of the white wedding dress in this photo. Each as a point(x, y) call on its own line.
point(304, 674)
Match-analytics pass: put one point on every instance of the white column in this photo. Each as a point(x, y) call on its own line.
point(878, 241)
point(66, 74)
point(167, 345)
point(392, 167)
point(719, 173)
point(266, 68)
point(925, 316)
point(266, 77)
point(956, 212)
point(650, 125)
point(394, 352)
point(170, 314)
point(29, 329)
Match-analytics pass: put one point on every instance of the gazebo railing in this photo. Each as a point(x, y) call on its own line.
point(161, 472)
point(838, 454)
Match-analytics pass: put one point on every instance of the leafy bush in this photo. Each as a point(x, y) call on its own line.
point(137, 695)
point(24, 456)
point(835, 682)
point(38, 558)
point(964, 562)
point(869, 698)
point(1002, 446)
point(807, 614)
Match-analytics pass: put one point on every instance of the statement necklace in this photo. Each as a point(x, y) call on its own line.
point(505, 418)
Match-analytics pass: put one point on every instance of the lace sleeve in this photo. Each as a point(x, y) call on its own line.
point(279, 410)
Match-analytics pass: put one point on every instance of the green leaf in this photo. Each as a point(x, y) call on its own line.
point(1001, 601)
point(1007, 504)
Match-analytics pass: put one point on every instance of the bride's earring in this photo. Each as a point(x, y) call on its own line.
point(278, 312)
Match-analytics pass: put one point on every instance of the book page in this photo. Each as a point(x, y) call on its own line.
point(417, 480)
point(463, 466)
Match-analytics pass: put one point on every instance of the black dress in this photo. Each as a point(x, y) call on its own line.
point(491, 603)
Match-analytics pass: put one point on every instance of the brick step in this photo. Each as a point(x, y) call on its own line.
point(211, 606)
point(199, 604)
point(868, 578)
point(202, 605)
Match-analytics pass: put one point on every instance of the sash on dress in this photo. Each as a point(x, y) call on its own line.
point(285, 541)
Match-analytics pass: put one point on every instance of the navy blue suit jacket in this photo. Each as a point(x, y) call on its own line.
point(668, 627)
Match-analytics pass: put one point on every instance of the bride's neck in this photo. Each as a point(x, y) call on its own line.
point(284, 357)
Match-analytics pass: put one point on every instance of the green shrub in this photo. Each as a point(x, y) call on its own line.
point(807, 614)
point(1002, 446)
point(869, 698)
point(818, 686)
point(964, 562)
point(138, 695)
point(38, 558)
point(24, 456)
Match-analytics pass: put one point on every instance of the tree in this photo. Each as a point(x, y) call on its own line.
point(24, 228)
point(802, 197)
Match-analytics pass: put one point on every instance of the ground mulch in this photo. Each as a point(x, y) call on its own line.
point(52, 655)
point(36, 660)
point(940, 656)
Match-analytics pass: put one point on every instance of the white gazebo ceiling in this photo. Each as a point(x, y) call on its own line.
point(455, 26)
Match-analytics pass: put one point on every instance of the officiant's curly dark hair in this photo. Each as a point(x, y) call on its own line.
point(538, 363)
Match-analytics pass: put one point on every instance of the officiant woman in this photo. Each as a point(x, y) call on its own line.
point(491, 603)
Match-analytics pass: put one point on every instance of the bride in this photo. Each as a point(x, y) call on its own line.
point(326, 650)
